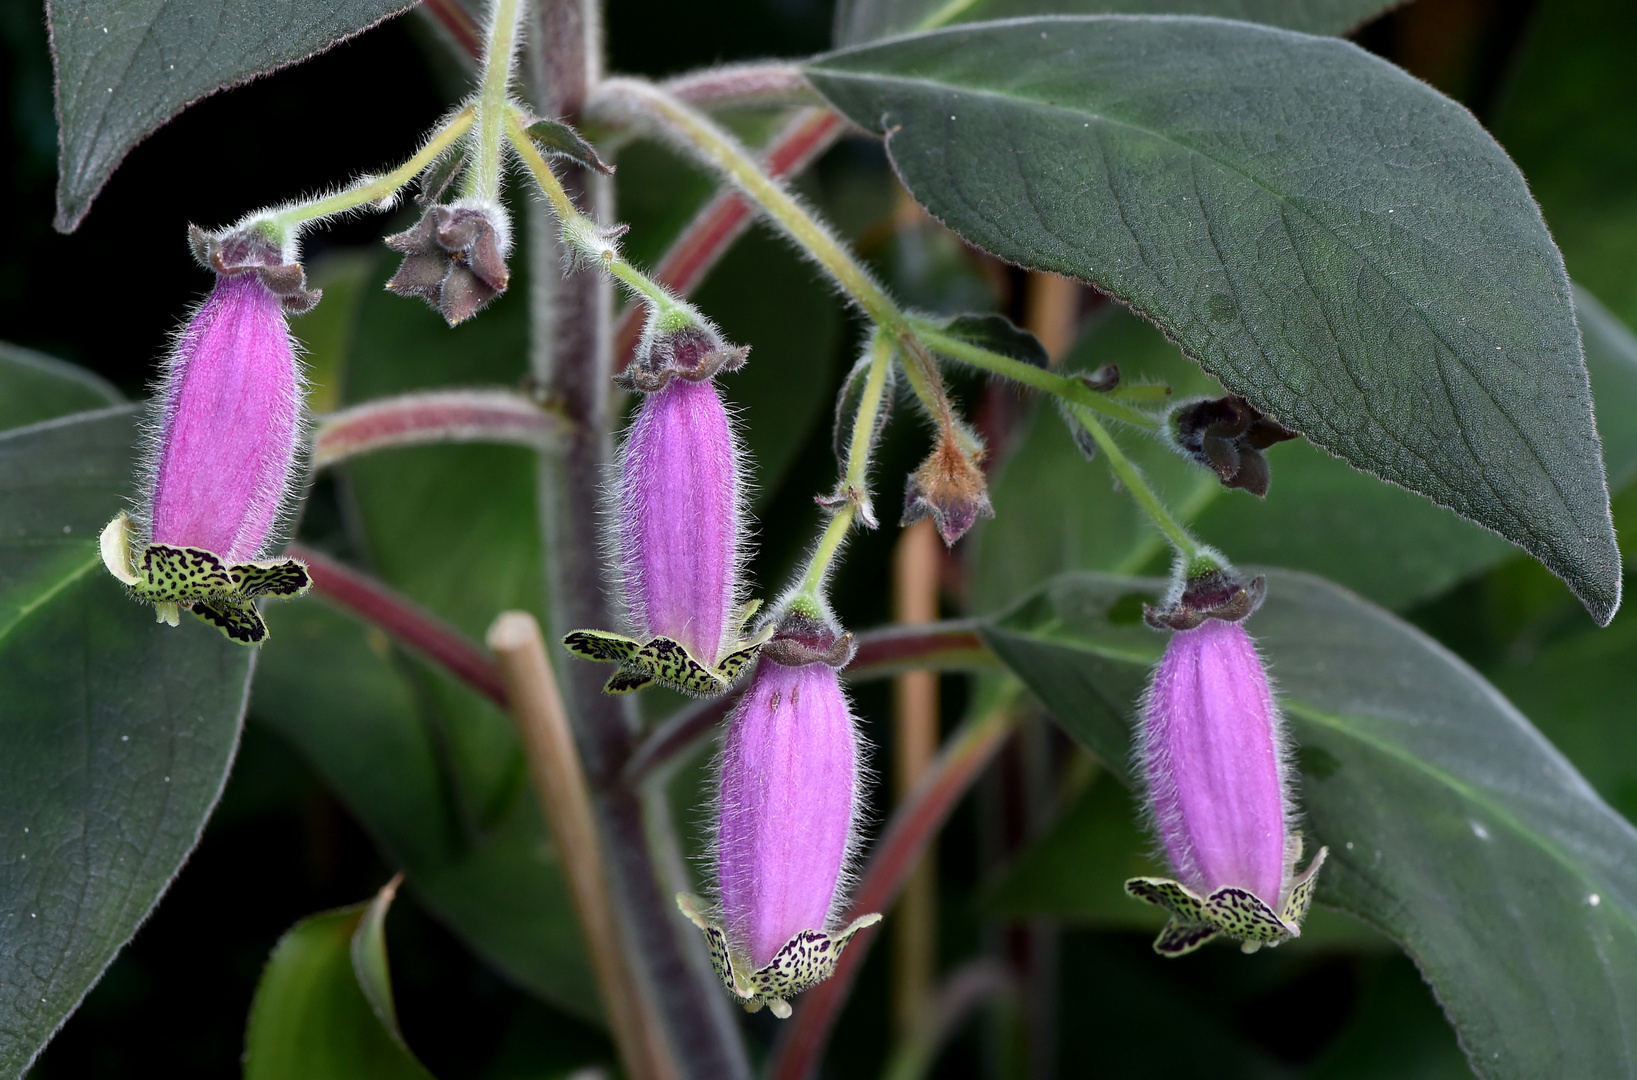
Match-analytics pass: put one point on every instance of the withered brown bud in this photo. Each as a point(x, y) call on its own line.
point(244, 251)
point(453, 259)
point(950, 487)
point(805, 638)
point(1215, 594)
point(692, 353)
point(1227, 435)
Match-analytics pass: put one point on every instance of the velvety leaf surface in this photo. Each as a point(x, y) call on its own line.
point(116, 732)
point(1566, 117)
point(865, 20)
point(35, 387)
point(311, 1019)
point(1386, 288)
point(1054, 512)
point(125, 67)
point(1453, 826)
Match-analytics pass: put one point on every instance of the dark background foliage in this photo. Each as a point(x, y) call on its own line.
point(281, 846)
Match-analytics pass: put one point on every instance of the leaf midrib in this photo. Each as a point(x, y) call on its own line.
point(26, 610)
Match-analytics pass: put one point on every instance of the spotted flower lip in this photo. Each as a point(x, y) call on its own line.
point(1214, 757)
point(222, 464)
point(789, 792)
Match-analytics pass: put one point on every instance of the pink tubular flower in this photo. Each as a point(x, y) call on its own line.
point(229, 424)
point(789, 790)
point(788, 797)
point(1212, 751)
point(1214, 757)
point(222, 463)
point(679, 519)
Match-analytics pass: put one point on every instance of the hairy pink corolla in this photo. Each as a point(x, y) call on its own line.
point(788, 800)
point(229, 424)
point(679, 519)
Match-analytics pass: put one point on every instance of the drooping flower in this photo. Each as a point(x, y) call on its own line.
point(679, 533)
point(788, 798)
point(1214, 759)
point(221, 467)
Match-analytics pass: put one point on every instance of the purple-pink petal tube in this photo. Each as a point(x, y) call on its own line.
point(229, 424)
point(679, 519)
point(1211, 747)
point(789, 786)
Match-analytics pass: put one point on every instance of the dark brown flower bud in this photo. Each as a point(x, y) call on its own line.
point(1215, 594)
point(245, 251)
point(694, 353)
point(950, 487)
point(1227, 435)
point(454, 259)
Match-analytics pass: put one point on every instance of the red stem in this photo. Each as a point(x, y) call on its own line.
point(381, 606)
point(454, 21)
point(727, 216)
point(917, 821)
point(434, 416)
point(937, 646)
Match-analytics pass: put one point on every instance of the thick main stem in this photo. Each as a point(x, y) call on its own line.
point(571, 317)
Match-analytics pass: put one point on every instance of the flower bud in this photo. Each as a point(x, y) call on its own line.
point(950, 487)
point(789, 794)
point(454, 258)
point(1214, 757)
point(222, 463)
point(1227, 435)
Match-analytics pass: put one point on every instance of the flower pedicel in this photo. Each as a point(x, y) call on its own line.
point(222, 462)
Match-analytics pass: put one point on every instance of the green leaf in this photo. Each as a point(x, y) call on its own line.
point(1565, 117)
point(35, 387)
point(1056, 513)
point(1386, 288)
point(116, 732)
point(124, 69)
point(317, 1013)
point(858, 21)
point(1453, 826)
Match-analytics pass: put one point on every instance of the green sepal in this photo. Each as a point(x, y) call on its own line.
point(1231, 912)
point(806, 960)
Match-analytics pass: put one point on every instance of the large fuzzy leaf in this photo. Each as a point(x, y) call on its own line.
point(1054, 512)
point(116, 732)
point(124, 68)
point(865, 20)
point(1329, 237)
point(1453, 826)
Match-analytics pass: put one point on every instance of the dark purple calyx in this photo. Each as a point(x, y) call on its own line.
point(454, 259)
point(1227, 435)
point(243, 251)
point(1215, 594)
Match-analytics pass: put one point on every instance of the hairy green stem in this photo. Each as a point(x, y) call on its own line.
point(483, 178)
point(854, 476)
point(286, 219)
point(1070, 390)
point(1126, 471)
